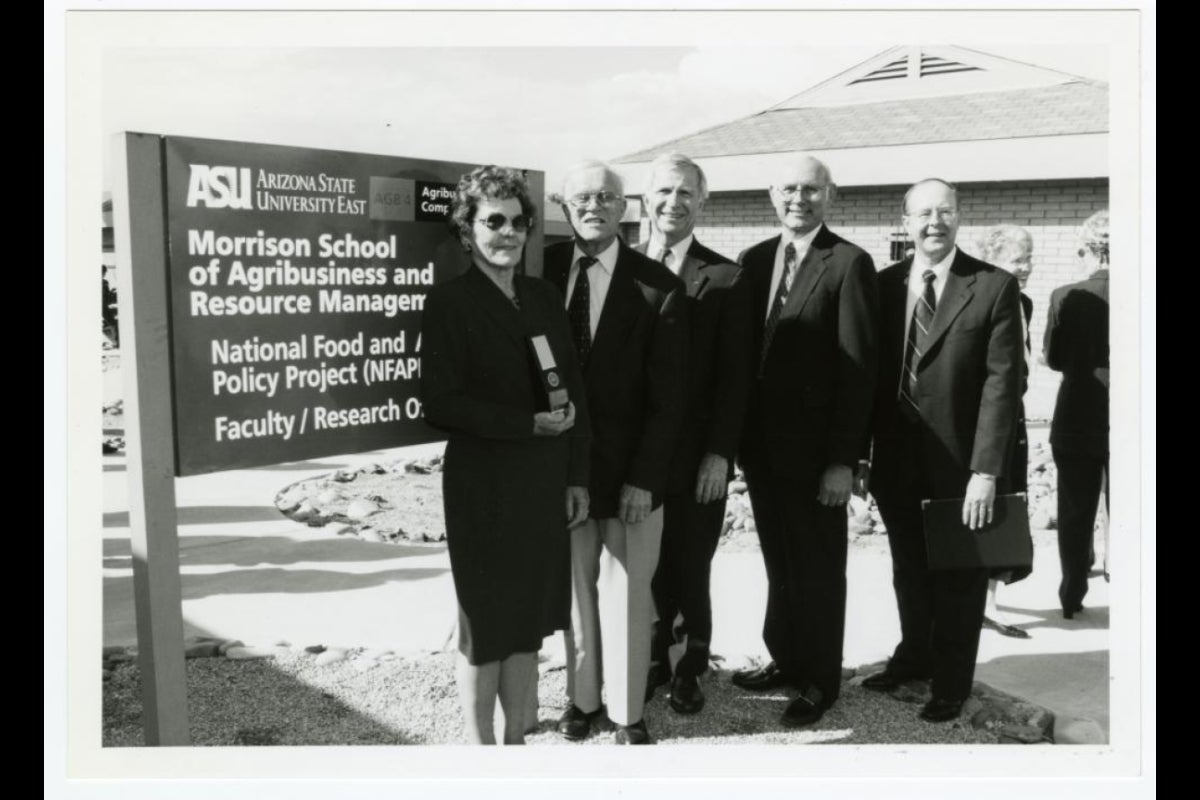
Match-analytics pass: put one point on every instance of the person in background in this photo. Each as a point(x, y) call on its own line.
point(1076, 344)
point(516, 470)
point(1011, 248)
point(702, 466)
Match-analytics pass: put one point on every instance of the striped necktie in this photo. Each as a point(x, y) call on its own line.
point(781, 295)
point(918, 338)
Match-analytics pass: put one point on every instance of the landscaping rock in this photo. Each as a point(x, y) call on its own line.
point(361, 508)
point(1021, 734)
point(372, 535)
point(345, 475)
point(202, 650)
point(331, 657)
point(315, 649)
point(230, 643)
point(1078, 730)
point(329, 496)
point(248, 653)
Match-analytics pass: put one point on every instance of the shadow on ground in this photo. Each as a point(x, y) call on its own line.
point(247, 703)
point(243, 551)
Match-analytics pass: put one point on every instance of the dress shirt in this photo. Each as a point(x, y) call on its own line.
point(678, 251)
point(801, 243)
point(599, 277)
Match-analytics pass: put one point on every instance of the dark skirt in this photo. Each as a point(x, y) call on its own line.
point(509, 545)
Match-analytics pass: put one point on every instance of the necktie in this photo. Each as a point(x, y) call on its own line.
point(918, 336)
point(665, 257)
point(579, 311)
point(781, 294)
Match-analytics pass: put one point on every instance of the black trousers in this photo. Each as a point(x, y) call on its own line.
point(804, 547)
point(1080, 481)
point(941, 611)
point(691, 532)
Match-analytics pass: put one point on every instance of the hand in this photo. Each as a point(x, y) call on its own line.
point(862, 479)
point(711, 478)
point(634, 505)
point(977, 506)
point(552, 423)
point(577, 505)
point(836, 483)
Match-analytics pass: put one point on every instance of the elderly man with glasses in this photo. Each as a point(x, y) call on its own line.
point(628, 318)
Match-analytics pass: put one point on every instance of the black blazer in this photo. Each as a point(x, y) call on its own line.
point(968, 378)
point(813, 400)
point(636, 374)
point(1076, 344)
point(719, 362)
point(478, 375)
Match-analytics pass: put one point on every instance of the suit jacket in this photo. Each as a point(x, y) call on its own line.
point(1076, 344)
point(968, 378)
point(635, 375)
point(478, 378)
point(812, 403)
point(719, 362)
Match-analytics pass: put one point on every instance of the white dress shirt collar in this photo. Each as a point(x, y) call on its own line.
point(678, 250)
point(606, 260)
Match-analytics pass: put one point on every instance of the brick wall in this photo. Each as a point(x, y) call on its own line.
point(1050, 210)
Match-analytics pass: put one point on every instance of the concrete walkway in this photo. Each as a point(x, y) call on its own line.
point(249, 573)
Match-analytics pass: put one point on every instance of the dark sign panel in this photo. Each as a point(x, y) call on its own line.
point(297, 282)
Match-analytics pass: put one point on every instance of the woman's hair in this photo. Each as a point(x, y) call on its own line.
point(1002, 242)
point(487, 183)
point(1093, 235)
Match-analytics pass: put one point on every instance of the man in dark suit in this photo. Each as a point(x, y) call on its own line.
point(1076, 344)
point(814, 308)
point(629, 321)
point(718, 382)
point(948, 395)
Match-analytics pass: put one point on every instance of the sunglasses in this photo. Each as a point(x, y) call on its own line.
point(521, 223)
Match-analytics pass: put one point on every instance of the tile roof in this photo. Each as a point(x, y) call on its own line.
point(1075, 107)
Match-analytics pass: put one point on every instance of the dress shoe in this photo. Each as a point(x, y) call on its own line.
point(1069, 612)
point(657, 676)
point(883, 681)
point(806, 709)
point(939, 710)
point(632, 734)
point(1011, 631)
point(686, 697)
point(575, 724)
point(760, 680)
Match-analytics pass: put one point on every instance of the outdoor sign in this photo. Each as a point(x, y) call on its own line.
point(296, 282)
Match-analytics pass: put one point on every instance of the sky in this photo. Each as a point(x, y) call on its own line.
point(532, 107)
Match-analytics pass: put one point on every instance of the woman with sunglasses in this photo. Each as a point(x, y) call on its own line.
point(496, 354)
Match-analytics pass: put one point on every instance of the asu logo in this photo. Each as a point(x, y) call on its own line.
point(219, 187)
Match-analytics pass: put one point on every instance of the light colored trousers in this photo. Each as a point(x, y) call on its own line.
point(612, 611)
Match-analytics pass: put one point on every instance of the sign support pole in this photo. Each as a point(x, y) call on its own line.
point(149, 436)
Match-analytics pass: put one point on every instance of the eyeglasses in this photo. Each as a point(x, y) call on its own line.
point(521, 223)
point(584, 199)
point(926, 214)
point(792, 192)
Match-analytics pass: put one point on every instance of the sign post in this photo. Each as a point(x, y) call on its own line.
point(274, 296)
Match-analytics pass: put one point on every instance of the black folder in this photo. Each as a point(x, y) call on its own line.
point(1005, 542)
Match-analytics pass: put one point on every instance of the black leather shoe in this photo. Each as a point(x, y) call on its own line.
point(883, 681)
point(1069, 612)
point(686, 697)
point(760, 680)
point(575, 724)
point(633, 734)
point(657, 676)
point(939, 710)
point(803, 711)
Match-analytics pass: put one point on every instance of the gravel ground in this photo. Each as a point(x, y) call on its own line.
point(291, 700)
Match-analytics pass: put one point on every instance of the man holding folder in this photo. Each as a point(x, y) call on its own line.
point(946, 410)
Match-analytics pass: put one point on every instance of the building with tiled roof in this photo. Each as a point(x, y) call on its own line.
point(1025, 145)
